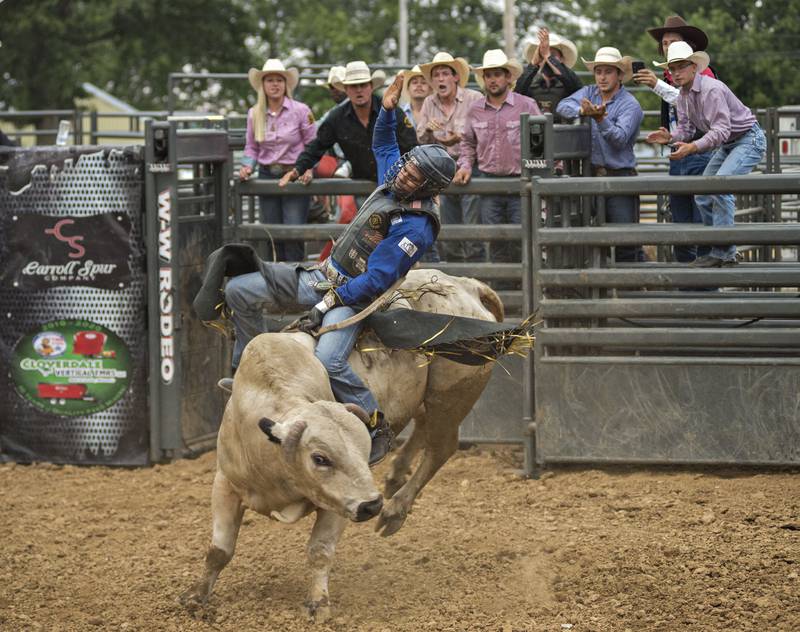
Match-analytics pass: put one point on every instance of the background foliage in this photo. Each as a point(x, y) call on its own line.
point(128, 47)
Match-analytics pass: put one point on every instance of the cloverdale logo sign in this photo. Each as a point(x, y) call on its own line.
point(46, 251)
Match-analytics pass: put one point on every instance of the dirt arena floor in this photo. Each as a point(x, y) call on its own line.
point(580, 549)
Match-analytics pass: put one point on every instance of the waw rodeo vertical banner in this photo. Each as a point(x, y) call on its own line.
point(73, 337)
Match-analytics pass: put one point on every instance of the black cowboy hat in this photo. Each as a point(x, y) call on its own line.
point(696, 38)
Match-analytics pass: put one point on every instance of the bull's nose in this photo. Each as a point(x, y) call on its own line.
point(369, 509)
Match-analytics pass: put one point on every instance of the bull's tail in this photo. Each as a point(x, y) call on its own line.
point(491, 301)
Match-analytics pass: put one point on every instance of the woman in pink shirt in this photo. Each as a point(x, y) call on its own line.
point(278, 128)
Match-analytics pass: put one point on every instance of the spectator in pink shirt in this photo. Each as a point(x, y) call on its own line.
point(441, 120)
point(278, 128)
point(492, 137)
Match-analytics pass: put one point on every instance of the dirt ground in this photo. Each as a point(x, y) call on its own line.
point(580, 549)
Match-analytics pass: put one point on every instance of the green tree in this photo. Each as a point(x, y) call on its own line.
point(754, 46)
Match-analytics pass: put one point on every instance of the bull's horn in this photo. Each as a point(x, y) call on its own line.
point(359, 412)
point(267, 426)
point(292, 438)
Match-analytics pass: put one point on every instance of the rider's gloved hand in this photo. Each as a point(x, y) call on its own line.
point(311, 320)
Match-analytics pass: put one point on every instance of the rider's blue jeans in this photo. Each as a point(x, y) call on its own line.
point(248, 295)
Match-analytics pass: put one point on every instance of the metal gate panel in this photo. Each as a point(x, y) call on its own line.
point(713, 412)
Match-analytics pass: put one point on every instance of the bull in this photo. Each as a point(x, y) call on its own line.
point(286, 448)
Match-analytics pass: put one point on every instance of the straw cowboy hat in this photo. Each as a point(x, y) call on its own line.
point(408, 75)
point(697, 39)
point(496, 58)
point(274, 67)
point(682, 51)
point(569, 52)
point(458, 64)
point(357, 72)
point(336, 73)
point(610, 56)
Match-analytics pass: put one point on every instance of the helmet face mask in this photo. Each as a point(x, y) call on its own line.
point(422, 172)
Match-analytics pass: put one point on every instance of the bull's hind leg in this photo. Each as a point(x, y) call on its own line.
point(447, 402)
point(226, 511)
point(325, 536)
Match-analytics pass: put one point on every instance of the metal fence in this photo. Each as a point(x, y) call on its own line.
point(659, 362)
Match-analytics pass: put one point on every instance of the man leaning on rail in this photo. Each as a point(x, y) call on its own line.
point(392, 230)
point(726, 125)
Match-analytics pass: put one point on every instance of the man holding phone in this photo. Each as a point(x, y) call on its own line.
point(708, 108)
point(683, 208)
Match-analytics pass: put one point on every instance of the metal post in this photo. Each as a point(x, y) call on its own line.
point(508, 27)
point(531, 299)
point(403, 26)
point(93, 128)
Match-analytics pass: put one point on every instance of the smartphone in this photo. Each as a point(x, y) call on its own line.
point(637, 65)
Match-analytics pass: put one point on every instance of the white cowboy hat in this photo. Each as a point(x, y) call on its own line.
point(274, 67)
point(682, 51)
point(458, 64)
point(496, 58)
point(569, 52)
point(336, 73)
point(408, 75)
point(610, 56)
point(357, 72)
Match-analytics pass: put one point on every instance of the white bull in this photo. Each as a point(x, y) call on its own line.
point(285, 448)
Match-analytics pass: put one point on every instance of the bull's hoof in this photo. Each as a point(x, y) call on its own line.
point(318, 611)
point(195, 596)
point(392, 517)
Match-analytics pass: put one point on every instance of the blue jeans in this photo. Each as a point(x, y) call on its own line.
point(683, 207)
point(624, 209)
point(248, 295)
point(731, 159)
point(461, 209)
point(283, 209)
point(502, 209)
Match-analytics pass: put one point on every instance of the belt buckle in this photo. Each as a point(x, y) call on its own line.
point(601, 171)
point(275, 170)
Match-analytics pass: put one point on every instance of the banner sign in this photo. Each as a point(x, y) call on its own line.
point(45, 251)
point(71, 367)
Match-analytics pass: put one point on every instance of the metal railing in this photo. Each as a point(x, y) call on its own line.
point(601, 319)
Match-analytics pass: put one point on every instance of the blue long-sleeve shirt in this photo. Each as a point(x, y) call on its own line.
point(410, 235)
point(613, 139)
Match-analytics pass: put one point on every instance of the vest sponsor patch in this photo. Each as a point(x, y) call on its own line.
point(397, 219)
point(407, 246)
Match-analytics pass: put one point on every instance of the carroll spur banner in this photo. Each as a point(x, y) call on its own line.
point(73, 306)
point(46, 251)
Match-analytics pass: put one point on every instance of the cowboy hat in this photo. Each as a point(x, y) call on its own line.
point(697, 39)
point(682, 51)
point(274, 67)
point(610, 56)
point(357, 72)
point(568, 50)
point(496, 58)
point(408, 75)
point(336, 73)
point(458, 64)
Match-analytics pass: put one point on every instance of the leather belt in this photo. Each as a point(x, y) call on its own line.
point(607, 172)
point(334, 276)
point(736, 136)
point(277, 169)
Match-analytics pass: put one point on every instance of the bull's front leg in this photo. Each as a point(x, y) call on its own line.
point(226, 511)
point(325, 535)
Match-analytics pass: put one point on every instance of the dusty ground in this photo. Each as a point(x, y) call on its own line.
point(102, 549)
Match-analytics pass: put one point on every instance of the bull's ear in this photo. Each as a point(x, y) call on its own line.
point(268, 427)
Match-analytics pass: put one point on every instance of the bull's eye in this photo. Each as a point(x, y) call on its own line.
point(321, 460)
